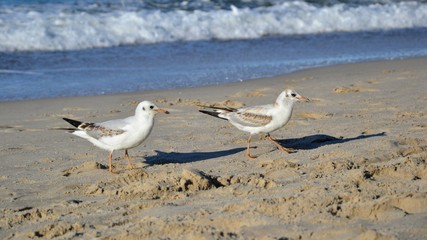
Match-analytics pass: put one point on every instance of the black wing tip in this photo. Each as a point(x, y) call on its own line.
point(214, 114)
point(225, 108)
point(70, 130)
point(75, 123)
point(208, 112)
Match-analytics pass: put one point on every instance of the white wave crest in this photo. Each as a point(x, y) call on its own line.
point(58, 29)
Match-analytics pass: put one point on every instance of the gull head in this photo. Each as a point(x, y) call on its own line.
point(148, 108)
point(290, 95)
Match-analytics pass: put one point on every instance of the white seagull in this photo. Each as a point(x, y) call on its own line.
point(118, 134)
point(261, 119)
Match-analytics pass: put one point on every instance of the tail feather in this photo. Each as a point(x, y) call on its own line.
point(227, 109)
point(75, 123)
point(214, 114)
point(70, 130)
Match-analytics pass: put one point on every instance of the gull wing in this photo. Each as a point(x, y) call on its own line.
point(252, 116)
point(98, 131)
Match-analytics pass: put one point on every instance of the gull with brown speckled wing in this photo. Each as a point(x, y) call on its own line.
point(261, 119)
point(118, 134)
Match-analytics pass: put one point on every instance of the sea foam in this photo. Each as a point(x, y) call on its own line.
point(59, 28)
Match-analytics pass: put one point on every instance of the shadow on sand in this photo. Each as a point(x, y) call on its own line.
point(319, 140)
point(175, 157)
point(304, 143)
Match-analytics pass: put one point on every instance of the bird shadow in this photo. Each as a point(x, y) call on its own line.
point(175, 157)
point(319, 140)
point(304, 143)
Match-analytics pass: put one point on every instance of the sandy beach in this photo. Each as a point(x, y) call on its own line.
point(360, 170)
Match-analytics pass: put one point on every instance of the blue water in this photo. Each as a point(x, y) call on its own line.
point(74, 48)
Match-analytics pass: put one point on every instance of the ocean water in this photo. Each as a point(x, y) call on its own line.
point(60, 48)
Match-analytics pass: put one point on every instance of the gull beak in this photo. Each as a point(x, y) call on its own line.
point(302, 98)
point(160, 110)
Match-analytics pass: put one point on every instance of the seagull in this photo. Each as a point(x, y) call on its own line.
point(118, 134)
point(261, 119)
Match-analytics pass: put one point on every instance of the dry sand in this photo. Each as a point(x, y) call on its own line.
point(360, 171)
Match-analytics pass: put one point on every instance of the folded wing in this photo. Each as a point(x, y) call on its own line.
point(96, 130)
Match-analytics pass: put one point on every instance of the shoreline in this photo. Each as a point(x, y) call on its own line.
point(290, 72)
point(231, 84)
point(360, 162)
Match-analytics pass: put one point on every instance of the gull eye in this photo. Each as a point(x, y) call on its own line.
point(151, 107)
point(293, 95)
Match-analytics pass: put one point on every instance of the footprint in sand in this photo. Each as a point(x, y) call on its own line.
point(254, 93)
point(83, 168)
point(199, 103)
point(11, 129)
point(312, 115)
point(353, 89)
point(398, 207)
point(412, 203)
point(75, 109)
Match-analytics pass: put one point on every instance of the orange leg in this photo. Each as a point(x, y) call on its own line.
point(248, 150)
point(130, 166)
point(288, 150)
point(110, 162)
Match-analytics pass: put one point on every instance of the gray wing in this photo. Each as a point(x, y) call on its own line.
point(256, 116)
point(98, 131)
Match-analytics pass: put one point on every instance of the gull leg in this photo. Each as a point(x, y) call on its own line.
point(274, 141)
point(110, 162)
point(248, 151)
point(130, 166)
